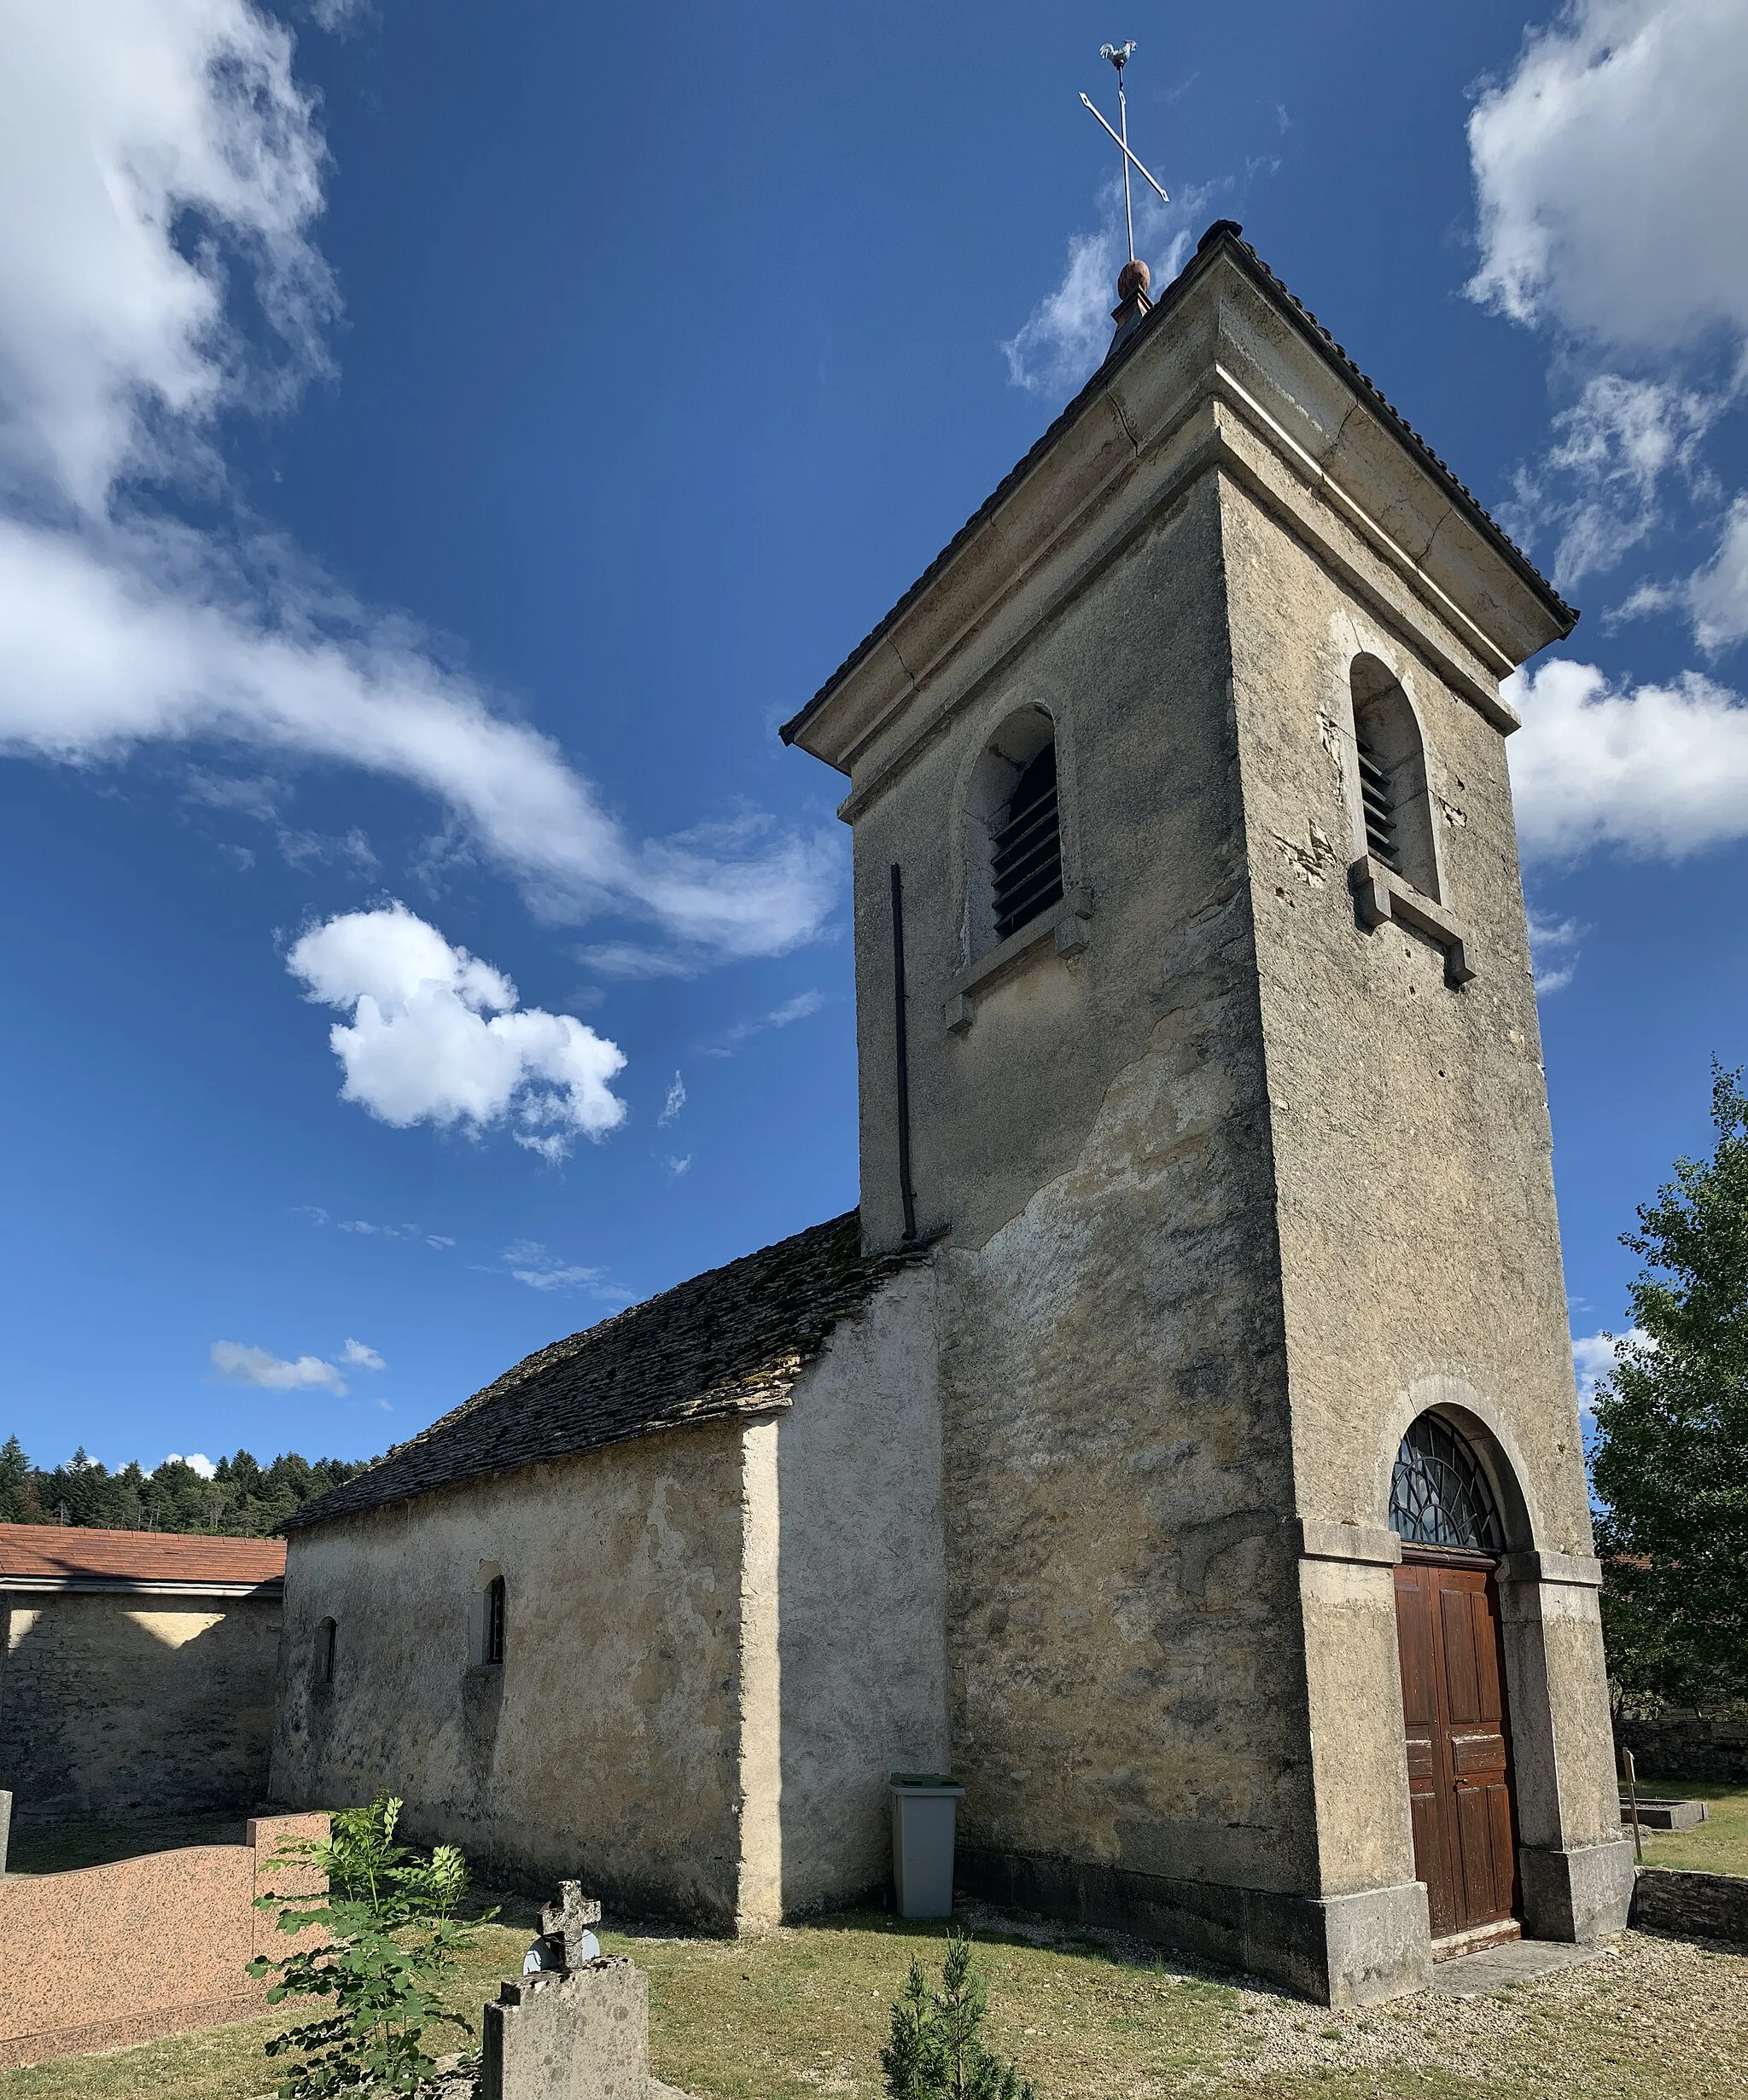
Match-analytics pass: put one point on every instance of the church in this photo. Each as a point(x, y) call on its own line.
point(1179, 1443)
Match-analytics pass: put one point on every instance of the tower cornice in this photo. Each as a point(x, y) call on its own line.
point(1227, 372)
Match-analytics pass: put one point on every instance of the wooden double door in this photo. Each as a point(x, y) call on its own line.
point(1458, 1744)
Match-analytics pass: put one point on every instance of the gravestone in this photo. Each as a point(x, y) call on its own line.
point(1661, 1812)
point(568, 1922)
point(575, 2035)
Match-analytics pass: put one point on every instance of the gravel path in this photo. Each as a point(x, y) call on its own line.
point(1649, 2001)
point(1649, 2014)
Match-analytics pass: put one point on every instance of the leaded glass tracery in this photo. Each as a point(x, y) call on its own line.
point(1438, 1494)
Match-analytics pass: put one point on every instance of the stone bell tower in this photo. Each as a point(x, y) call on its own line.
point(1181, 817)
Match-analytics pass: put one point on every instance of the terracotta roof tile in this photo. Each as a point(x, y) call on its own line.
point(58, 1553)
point(731, 1341)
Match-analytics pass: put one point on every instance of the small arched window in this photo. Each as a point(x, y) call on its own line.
point(1395, 805)
point(326, 1634)
point(1438, 1493)
point(1014, 830)
point(488, 1618)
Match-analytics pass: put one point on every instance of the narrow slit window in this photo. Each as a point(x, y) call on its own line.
point(326, 1634)
point(1025, 847)
point(494, 1621)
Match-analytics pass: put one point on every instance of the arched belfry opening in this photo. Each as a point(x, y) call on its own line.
point(1013, 831)
point(1395, 805)
point(1455, 1710)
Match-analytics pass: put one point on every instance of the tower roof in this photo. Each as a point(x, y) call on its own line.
point(1221, 242)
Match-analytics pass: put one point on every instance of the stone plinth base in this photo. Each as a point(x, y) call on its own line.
point(1337, 1950)
point(576, 2034)
point(1581, 1894)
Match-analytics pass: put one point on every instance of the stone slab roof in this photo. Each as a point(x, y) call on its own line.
point(731, 1341)
point(1222, 236)
point(73, 1556)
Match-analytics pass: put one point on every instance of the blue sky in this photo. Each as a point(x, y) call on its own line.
point(439, 445)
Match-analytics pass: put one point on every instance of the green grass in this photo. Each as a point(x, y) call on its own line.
point(1719, 1846)
point(802, 2012)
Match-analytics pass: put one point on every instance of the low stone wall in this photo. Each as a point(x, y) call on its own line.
point(113, 1703)
point(106, 1957)
point(1715, 1748)
point(1697, 1907)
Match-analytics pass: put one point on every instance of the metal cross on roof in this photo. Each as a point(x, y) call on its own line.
point(1120, 54)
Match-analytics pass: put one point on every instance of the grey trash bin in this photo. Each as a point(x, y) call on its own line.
point(922, 1808)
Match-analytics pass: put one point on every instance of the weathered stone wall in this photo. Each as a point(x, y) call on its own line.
point(1127, 1695)
point(861, 1581)
point(1419, 1242)
point(607, 1748)
point(1692, 1906)
point(1693, 1747)
point(115, 1706)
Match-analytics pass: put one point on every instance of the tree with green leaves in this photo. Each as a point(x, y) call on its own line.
point(936, 2052)
point(389, 1934)
point(243, 1499)
point(1670, 1462)
point(18, 1493)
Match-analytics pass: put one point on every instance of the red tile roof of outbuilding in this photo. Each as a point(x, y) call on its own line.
point(56, 1554)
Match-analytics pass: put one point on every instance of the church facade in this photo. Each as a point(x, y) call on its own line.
point(1180, 1442)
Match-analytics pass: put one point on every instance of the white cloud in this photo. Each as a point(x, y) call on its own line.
point(1610, 165)
point(1554, 953)
point(438, 1036)
point(238, 1364)
point(1594, 1358)
point(798, 1009)
point(1069, 331)
point(1599, 484)
point(675, 1101)
point(122, 121)
point(159, 170)
point(362, 1354)
point(196, 1461)
point(678, 1164)
point(1716, 597)
point(1655, 770)
point(534, 1264)
point(627, 958)
point(362, 1227)
point(113, 639)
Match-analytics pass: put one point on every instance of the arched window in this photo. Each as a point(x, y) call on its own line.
point(1438, 1494)
point(488, 1618)
point(326, 1634)
point(1395, 803)
point(1013, 830)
